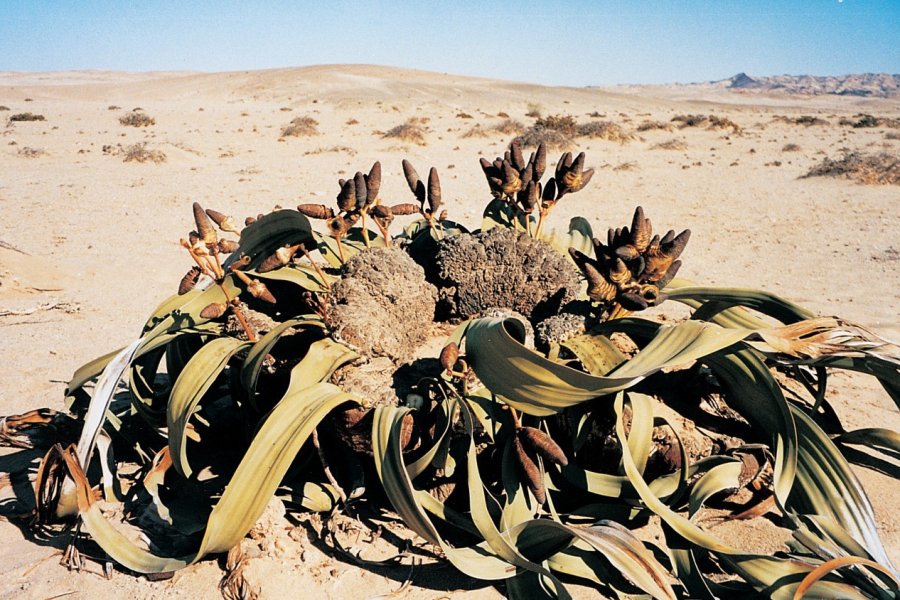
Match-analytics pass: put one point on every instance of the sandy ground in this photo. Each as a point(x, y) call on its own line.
point(88, 243)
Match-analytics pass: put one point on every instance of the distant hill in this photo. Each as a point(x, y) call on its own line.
point(867, 85)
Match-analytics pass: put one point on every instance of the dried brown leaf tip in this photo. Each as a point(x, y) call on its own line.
point(189, 281)
point(633, 267)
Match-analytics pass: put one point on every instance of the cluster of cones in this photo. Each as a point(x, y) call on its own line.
point(518, 181)
point(630, 270)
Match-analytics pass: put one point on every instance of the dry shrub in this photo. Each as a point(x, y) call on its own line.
point(137, 119)
point(412, 131)
point(791, 148)
point(113, 107)
point(337, 149)
point(892, 135)
point(3, 108)
point(808, 120)
point(26, 116)
point(565, 124)
point(604, 130)
point(29, 152)
point(690, 120)
point(476, 131)
point(709, 121)
point(654, 125)
point(464, 115)
point(626, 166)
point(135, 153)
point(301, 127)
point(673, 144)
point(871, 169)
point(859, 121)
point(534, 110)
point(551, 138)
point(509, 127)
point(503, 115)
point(352, 121)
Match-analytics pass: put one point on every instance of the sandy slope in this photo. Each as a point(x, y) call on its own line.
point(98, 237)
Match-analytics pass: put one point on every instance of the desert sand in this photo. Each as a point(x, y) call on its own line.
point(89, 243)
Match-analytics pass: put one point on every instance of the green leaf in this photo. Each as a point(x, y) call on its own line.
point(263, 237)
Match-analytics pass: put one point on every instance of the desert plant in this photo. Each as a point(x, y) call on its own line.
point(137, 119)
point(519, 464)
point(654, 125)
point(141, 154)
point(301, 127)
point(29, 152)
point(25, 117)
point(878, 169)
point(604, 130)
point(410, 131)
point(565, 124)
point(673, 144)
point(509, 127)
point(790, 148)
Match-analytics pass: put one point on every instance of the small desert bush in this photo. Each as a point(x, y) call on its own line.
point(509, 127)
point(135, 153)
point(301, 127)
point(534, 110)
point(476, 131)
point(807, 120)
point(29, 152)
point(137, 119)
point(564, 124)
point(790, 148)
point(3, 108)
point(860, 121)
point(673, 144)
point(336, 149)
point(892, 135)
point(26, 116)
point(464, 115)
point(604, 130)
point(654, 125)
point(709, 121)
point(411, 131)
point(878, 169)
point(113, 107)
point(551, 138)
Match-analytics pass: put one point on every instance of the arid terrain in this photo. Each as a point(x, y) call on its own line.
point(92, 211)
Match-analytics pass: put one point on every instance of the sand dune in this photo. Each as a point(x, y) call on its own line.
point(92, 231)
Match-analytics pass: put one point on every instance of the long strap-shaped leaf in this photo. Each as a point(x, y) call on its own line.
point(195, 380)
point(777, 576)
point(529, 382)
point(523, 545)
point(254, 482)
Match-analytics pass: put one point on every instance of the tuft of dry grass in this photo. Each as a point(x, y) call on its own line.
point(3, 108)
point(709, 121)
point(509, 127)
point(673, 144)
point(301, 127)
point(808, 120)
point(476, 131)
point(790, 148)
point(648, 125)
point(534, 110)
point(411, 131)
point(551, 138)
point(604, 130)
point(464, 115)
point(869, 169)
point(351, 121)
point(113, 107)
point(564, 124)
point(137, 119)
point(29, 152)
point(337, 149)
point(24, 117)
point(135, 153)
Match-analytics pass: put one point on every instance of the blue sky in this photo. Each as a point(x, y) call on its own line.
point(578, 42)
